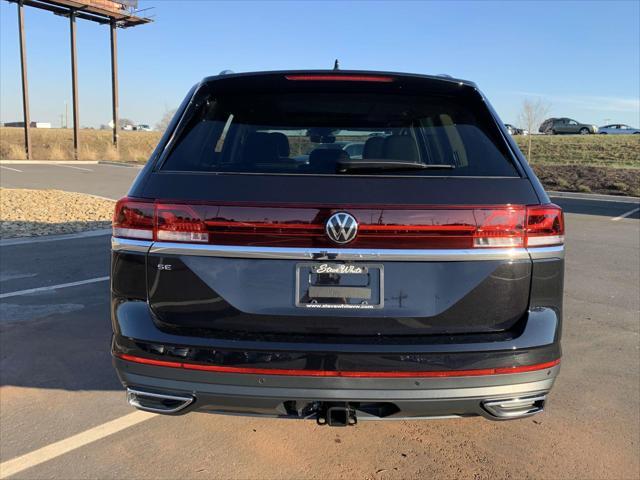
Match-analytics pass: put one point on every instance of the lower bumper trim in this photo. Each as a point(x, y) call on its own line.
point(330, 373)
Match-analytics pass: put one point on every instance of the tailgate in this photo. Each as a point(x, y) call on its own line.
point(277, 269)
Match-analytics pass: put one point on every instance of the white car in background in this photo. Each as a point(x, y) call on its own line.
point(617, 129)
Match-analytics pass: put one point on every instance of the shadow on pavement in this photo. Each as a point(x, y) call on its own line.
point(57, 338)
point(68, 350)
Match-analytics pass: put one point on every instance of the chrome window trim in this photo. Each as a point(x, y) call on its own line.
point(130, 245)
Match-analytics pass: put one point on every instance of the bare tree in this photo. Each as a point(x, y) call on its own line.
point(531, 116)
point(122, 122)
point(166, 118)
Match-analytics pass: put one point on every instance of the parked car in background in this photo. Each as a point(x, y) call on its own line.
point(618, 129)
point(354, 149)
point(143, 128)
point(422, 280)
point(515, 130)
point(558, 126)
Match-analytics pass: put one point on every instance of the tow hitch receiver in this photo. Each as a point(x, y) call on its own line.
point(336, 415)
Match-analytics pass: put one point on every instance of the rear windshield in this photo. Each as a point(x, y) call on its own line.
point(338, 133)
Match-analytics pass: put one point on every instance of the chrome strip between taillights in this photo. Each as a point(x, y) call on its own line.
point(292, 253)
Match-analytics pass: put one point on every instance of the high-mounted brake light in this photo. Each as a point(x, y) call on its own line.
point(340, 78)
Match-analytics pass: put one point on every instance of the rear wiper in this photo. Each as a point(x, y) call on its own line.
point(389, 165)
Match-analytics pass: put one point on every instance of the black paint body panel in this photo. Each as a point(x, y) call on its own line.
point(257, 296)
point(336, 189)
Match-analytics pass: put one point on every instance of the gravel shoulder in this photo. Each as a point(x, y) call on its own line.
point(31, 213)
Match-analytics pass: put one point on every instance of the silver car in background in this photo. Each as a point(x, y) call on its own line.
point(618, 129)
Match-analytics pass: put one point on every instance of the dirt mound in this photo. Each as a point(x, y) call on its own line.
point(577, 178)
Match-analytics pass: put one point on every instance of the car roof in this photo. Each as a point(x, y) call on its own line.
point(401, 75)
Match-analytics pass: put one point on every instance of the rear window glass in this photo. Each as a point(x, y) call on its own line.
point(338, 133)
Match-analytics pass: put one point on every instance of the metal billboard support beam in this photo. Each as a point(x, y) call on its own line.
point(114, 82)
point(74, 83)
point(25, 83)
point(117, 14)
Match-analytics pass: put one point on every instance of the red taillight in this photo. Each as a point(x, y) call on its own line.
point(180, 223)
point(499, 227)
point(133, 219)
point(340, 78)
point(545, 225)
point(381, 227)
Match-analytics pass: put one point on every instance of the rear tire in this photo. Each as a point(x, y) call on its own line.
point(584, 131)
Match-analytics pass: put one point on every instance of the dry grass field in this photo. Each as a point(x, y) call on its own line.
point(583, 163)
point(618, 151)
point(57, 144)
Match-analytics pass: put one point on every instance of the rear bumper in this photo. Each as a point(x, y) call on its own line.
point(370, 398)
point(298, 380)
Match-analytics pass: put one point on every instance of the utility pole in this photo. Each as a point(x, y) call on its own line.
point(114, 82)
point(25, 83)
point(74, 83)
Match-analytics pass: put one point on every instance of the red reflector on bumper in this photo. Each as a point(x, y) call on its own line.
point(330, 373)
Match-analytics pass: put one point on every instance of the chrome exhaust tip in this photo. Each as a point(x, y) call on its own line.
point(513, 408)
point(158, 402)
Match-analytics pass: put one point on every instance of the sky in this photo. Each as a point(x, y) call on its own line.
point(582, 57)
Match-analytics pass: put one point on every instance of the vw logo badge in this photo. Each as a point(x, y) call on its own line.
point(341, 227)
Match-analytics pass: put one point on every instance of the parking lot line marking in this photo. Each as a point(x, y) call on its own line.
point(49, 452)
point(624, 215)
point(71, 166)
point(53, 287)
point(12, 169)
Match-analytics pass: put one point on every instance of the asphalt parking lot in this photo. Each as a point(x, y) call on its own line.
point(105, 180)
point(60, 400)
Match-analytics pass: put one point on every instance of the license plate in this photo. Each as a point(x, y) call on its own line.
point(339, 285)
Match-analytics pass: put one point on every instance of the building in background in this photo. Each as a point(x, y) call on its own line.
point(32, 124)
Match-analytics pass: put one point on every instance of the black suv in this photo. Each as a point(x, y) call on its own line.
point(421, 279)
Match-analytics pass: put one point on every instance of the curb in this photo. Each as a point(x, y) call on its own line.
point(72, 162)
point(45, 162)
point(121, 164)
point(598, 197)
point(54, 238)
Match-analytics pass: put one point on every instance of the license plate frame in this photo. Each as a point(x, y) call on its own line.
point(362, 285)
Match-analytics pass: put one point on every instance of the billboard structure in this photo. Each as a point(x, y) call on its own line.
point(115, 13)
